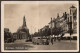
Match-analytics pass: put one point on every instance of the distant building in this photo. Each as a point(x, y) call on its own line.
point(7, 35)
point(22, 32)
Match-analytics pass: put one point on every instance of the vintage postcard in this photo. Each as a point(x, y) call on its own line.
point(39, 26)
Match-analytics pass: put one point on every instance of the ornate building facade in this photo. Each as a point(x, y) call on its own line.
point(59, 22)
point(65, 19)
point(73, 18)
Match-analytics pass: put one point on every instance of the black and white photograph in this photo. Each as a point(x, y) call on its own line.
point(39, 26)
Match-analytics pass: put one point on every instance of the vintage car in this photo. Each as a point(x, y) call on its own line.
point(45, 41)
point(40, 41)
point(36, 40)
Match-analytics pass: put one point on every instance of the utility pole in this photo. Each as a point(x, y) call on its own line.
point(70, 30)
point(51, 29)
point(31, 32)
point(54, 26)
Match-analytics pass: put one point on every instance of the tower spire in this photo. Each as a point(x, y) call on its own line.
point(24, 22)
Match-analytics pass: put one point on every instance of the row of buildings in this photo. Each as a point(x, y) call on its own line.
point(67, 22)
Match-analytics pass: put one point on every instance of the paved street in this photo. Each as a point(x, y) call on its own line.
point(63, 45)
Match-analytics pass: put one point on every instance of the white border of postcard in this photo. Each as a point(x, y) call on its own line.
point(29, 2)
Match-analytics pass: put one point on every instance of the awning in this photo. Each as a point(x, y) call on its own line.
point(68, 35)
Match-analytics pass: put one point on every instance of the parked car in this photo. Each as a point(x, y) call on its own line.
point(45, 41)
point(36, 40)
point(39, 40)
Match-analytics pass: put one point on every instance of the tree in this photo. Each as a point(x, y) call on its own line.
point(57, 30)
point(46, 32)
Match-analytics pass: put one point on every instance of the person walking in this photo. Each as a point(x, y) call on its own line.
point(52, 41)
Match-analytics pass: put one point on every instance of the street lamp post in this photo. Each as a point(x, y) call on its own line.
point(70, 29)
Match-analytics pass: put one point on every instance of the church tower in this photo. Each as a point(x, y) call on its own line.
point(23, 31)
point(24, 22)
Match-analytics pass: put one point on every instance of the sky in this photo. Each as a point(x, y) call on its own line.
point(37, 14)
